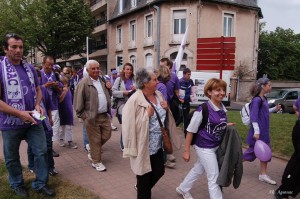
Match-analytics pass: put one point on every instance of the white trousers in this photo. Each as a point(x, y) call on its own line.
point(56, 125)
point(206, 162)
point(66, 133)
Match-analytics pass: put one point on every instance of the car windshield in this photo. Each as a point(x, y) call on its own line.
point(277, 94)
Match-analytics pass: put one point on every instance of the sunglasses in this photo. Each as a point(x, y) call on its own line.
point(9, 35)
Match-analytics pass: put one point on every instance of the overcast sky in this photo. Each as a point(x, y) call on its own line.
point(282, 13)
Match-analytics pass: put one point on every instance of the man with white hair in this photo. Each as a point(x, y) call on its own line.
point(92, 104)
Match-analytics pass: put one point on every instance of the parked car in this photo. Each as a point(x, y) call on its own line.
point(286, 97)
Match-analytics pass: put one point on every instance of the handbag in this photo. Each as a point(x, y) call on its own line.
point(167, 145)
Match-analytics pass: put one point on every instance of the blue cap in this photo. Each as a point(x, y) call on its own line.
point(114, 72)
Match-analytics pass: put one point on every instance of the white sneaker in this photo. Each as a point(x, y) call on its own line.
point(170, 165)
point(90, 157)
point(72, 145)
point(267, 179)
point(185, 195)
point(61, 143)
point(99, 166)
point(171, 158)
point(88, 148)
point(114, 128)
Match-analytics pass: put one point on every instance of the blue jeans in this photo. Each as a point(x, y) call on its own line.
point(84, 135)
point(49, 154)
point(36, 139)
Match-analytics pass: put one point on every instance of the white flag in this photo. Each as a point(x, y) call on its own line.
point(177, 62)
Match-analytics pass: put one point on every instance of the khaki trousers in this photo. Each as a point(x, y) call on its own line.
point(98, 131)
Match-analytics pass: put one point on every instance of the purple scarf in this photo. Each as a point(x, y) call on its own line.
point(12, 87)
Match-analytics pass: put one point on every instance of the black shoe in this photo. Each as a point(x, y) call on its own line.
point(55, 154)
point(46, 191)
point(21, 191)
point(52, 172)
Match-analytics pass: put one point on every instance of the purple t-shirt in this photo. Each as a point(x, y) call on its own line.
point(172, 85)
point(259, 112)
point(52, 92)
point(65, 110)
point(128, 84)
point(27, 91)
point(163, 89)
point(297, 104)
point(211, 136)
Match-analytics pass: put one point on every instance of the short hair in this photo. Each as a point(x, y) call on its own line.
point(90, 62)
point(169, 62)
point(214, 83)
point(256, 88)
point(11, 35)
point(186, 70)
point(143, 75)
point(47, 57)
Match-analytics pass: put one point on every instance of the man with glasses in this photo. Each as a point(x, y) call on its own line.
point(20, 96)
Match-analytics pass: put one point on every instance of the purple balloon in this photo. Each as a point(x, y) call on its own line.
point(262, 151)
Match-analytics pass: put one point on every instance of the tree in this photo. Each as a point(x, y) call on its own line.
point(279, 54)
point(56, 27)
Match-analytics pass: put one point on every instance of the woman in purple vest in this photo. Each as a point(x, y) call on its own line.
point(208, 140)
point(260, 124)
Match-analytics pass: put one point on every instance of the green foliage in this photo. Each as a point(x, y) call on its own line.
point(55, 27)
point(278, 54)
point(280, 131)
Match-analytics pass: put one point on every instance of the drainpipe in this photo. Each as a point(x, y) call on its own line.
point(157, 34)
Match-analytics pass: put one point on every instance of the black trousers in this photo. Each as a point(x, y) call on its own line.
point(186, 107)
point(147, 181)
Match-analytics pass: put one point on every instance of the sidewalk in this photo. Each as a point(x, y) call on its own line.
point(118, 181)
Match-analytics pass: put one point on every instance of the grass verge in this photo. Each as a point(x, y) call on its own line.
point(281, 126)
point(62, 188)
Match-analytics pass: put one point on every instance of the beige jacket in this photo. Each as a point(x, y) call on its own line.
point(135, 132)
point(86, 99)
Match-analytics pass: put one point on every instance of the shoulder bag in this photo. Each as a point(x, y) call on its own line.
point(167, 145)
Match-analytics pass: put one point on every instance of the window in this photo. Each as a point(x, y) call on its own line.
point(133, 62)
point(132, 31)
point(179, 21)
point(119, 34)
point(149, 26)
point(228, 25)
point(149, 60)
point(133, 3)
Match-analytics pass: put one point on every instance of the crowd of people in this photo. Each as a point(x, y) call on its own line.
point(36, 105)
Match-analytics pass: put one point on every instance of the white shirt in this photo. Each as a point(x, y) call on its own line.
point(102, 102)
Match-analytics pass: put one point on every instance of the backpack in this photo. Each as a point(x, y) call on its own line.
point(245, 112)
point(203, 123)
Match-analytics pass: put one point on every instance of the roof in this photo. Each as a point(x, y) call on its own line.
point(251, 4)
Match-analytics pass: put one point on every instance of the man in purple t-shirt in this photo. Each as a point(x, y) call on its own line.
point(20, 95)
point(51, 82)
